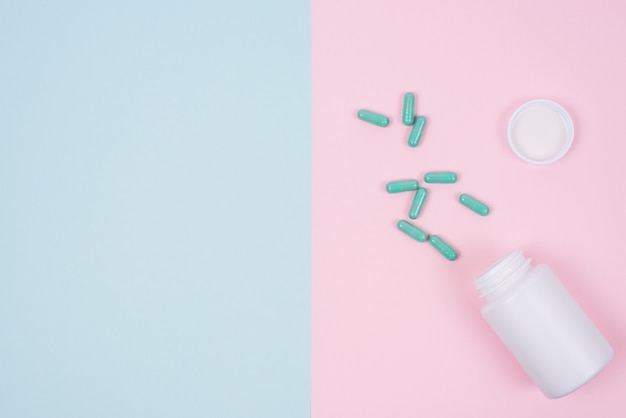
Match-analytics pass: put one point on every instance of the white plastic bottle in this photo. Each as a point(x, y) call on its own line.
point(537, 319)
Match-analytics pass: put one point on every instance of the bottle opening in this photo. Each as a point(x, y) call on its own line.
point(503, 274)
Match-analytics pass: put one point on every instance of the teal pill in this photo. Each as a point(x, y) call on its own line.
point(416, 133)
point(402, 186)
point(408, 113)
point(412, 231)
point(418, 203)
point(443, 247)
point(374, 118)
point(474, 204)
point(440, 177)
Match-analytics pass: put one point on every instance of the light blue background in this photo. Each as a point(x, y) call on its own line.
point(154, 209)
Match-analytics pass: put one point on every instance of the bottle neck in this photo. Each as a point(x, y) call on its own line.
point(502, 275)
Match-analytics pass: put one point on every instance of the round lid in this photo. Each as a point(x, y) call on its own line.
point(540, 132)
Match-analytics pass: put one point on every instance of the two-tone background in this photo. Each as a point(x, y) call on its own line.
point(193, 222)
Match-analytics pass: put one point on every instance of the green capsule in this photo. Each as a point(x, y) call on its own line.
point(418, 203)
point(402, 186)
point(440, 177)
point(475, 205)
point(416, 133)
point(408, 113)
point(412, 231)
point(443, 247)
point(374, 118)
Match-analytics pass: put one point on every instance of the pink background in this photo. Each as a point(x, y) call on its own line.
point(397, 330)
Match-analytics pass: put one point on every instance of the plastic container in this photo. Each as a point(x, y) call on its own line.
point(537, 319)
point(540, 132)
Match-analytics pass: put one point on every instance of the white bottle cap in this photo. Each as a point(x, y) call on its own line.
point(540, 132)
